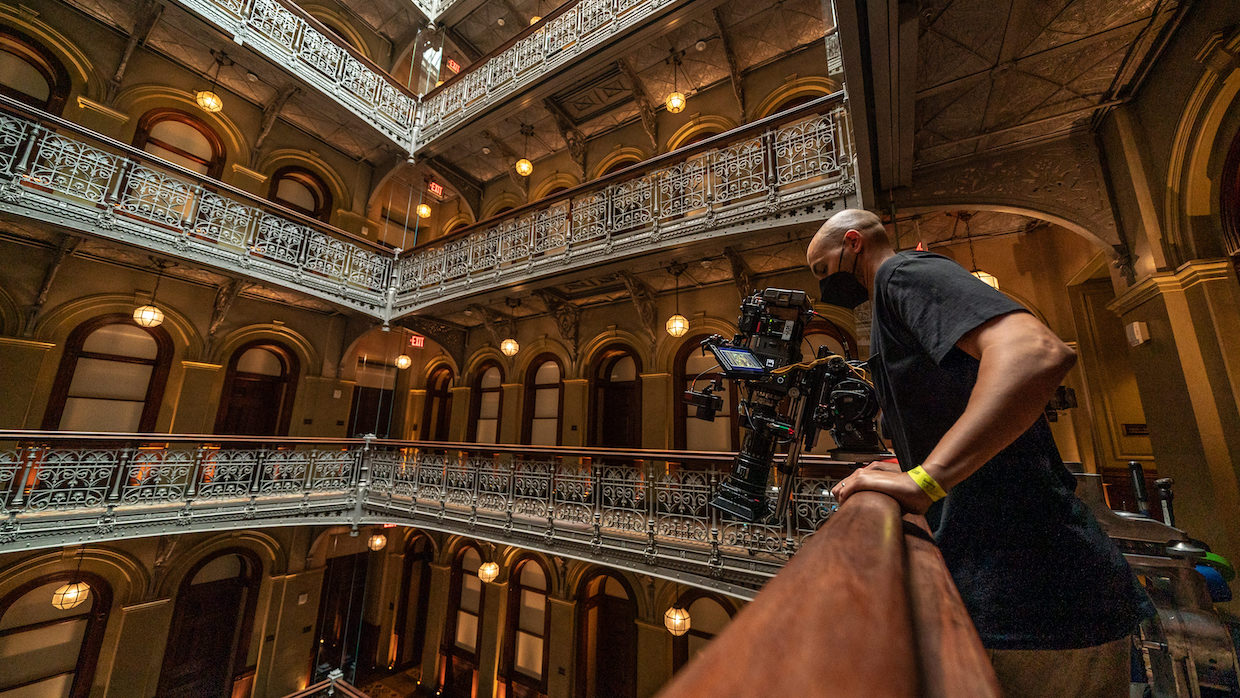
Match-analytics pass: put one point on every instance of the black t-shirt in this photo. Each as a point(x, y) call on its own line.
point(1034, 567)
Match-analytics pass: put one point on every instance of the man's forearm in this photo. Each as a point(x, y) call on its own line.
point(1014, 383)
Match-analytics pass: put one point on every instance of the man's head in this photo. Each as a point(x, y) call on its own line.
point(845, 253)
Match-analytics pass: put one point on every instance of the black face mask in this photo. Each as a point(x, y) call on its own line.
point(842, 288)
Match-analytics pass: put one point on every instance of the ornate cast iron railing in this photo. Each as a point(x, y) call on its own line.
point(53, 170)
point(292, 39)
point(781, 167)
point(643, 510)
point(552, 43)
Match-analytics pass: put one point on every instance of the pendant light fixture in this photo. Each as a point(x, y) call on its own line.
point(524, 166)
point(150, 315)
point(676, 101)
point(424, 211)
point(208, 99)
point(509, 346)
point(676, 619)
point(677, 324)
point(75, 593)
point(984, 276)
point(377, 542)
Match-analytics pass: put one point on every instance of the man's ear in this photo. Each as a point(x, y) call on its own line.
point(852, 239)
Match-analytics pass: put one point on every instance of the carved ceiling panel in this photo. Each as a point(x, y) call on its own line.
point(988, 68)
point(482, 27)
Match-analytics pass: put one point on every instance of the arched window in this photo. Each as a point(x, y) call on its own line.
point(464, 625)
point(111, 377)
point(695, 434)
point(619, 164)
point(616, 409)
point(47, 651)
point(707, 617)
point(177, 137)
point(543, 402)
point(606, 638)
point(412, 604)
point(30, 73)
point(437, 414)
point(484, 408)
point(301, 190)
point(258, 390)
point(340, 625)
point(209, 641)
point(698, 137)
point(526, 630)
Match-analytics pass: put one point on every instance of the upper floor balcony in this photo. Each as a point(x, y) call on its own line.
point(59, 173)
point(786, 169)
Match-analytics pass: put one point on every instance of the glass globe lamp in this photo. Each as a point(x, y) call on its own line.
point(488, 571)
point(403, 362)
point(509, 347)
point(424, 211)
point(677, 325)
point(987, 278)
point(377, 542)
point(148, 316)
point(209, 101)
point(71, 595)
point(676, 102)
point(535, 20)
point(524, 167)
point(676, 620)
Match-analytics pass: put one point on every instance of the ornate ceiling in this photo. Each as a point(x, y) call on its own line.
point(996, 72)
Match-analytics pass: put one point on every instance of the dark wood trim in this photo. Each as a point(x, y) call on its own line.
point(43, 60)
point(1229, 198)
point(142, 136)
point(73, 351)
point(530, 391)
point(475, 400)
point(309, 179)
point(508, 661)
point(443, 421)
point(680, 381)
point(586, 602)
point(252, 574)
point(292, 371)
point(603, 361)
point(425, 556)
point(96, 622)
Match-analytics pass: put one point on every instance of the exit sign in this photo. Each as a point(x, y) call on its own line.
point(417, 341)
point(454, 66)
point(435, 188)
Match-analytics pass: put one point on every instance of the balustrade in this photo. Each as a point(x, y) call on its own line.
point(794, 160)
point(56, 171)
point(645, 510)
point(289, 37)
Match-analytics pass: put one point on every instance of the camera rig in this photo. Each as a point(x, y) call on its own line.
point(784, 400)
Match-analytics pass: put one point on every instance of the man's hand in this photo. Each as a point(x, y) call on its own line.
point(885, 477)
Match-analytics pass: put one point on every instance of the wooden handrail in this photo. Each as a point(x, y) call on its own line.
point(865, 608)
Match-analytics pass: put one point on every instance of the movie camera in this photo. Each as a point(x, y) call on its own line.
point(784, 401)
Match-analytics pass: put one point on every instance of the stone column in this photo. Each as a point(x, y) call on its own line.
point(285, 659)
point(576, 421)
point(1188, 373)
point(654, 658)
point(511, 417)
point(139, 649)
point(495, 610)
point(416, 409)
point(23, 362)
point(657, 418)
point(562, 647)
point(458, 428)
point(199, 399)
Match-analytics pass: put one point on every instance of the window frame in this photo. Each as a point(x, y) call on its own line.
point(475, 400)
point(160, 367)
point(604, 361)
point(311, 180)
point(510, 674)
point(680, 379)
point(530, 396)
point(430, 432)
point(290, 377)
point(148, 121)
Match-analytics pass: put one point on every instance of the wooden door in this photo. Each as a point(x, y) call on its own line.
point(198, 660)
point(615, 658)
point(253, 407)
point(619, 425)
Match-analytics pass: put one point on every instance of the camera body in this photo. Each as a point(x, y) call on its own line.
point(785, 401)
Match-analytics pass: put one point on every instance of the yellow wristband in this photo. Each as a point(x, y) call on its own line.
point(927, 484)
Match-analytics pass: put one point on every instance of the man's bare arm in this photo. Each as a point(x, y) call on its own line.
point(1021, 362)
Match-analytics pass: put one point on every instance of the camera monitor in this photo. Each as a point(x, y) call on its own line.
point(737, 361)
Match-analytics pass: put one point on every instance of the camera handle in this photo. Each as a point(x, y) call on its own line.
point(788, 480)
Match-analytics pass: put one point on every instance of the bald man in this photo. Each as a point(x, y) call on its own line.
point(964, 374)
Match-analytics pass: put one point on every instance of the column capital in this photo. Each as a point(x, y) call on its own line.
point(1190, 274)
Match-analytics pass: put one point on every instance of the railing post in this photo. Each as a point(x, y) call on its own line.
point(363, 475)
point(195, 472)
point(260, 464)
point(120, 475)
point(24, 472)
point(21, 159)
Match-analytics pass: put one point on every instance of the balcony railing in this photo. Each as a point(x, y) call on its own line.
point(642, 510)
point(784, 167)
point(571, 31)
point(292, 39)
point(56, 171)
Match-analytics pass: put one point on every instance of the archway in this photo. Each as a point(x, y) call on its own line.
point(259, 386)
point(50, 651)
point(606, 637)
point(616, 399)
